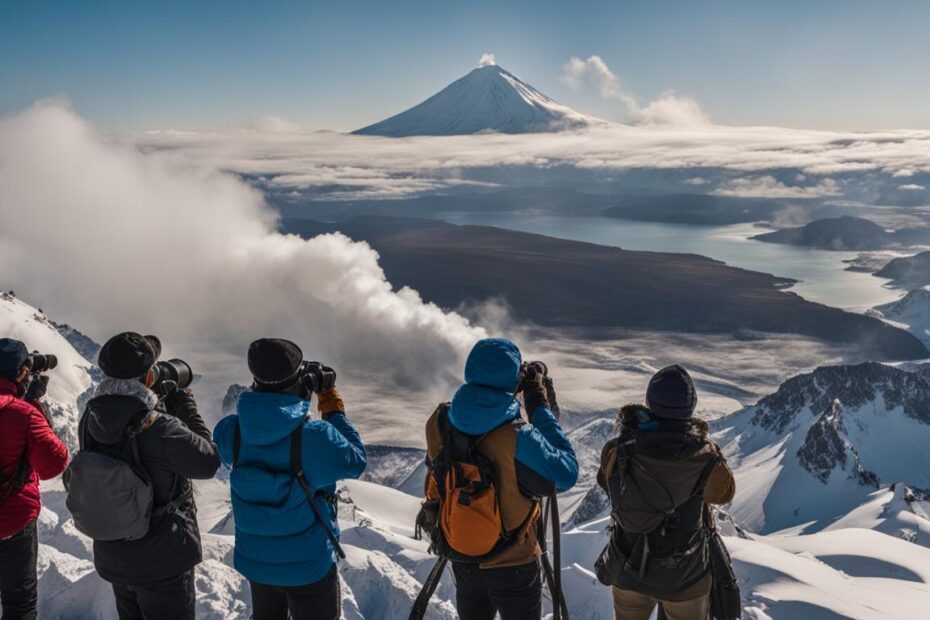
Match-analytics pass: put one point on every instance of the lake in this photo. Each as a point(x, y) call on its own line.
point(821, 274)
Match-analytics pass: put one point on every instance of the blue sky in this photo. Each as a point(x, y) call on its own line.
point(829, 64)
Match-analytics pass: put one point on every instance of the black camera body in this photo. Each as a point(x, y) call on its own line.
point(171, 374)
point(314, 377)
point(42, 362)
point(530, 370)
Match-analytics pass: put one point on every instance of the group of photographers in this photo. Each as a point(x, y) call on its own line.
point(493, 475)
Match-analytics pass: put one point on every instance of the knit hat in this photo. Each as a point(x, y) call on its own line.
point(671, 394)
point(128, 355)
point(13, 356)
point(274, 362)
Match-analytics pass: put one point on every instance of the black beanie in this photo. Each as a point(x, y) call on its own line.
point(671, 394)
point(128, 355)
point(13, 356)
point(274, 362)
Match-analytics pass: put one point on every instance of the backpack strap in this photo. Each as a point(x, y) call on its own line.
point(9, 484)
point(297, 469)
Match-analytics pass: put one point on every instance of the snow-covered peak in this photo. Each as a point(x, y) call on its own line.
point(824, 441)
point(489, 98)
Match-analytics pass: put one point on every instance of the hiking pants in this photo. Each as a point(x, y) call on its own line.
point(169, 599)
point(18, 583)
point(630, 605)
point(316, 601)
point(513, 591)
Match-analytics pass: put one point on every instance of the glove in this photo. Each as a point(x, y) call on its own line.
point(329, 403)
point(37, 389)
point(533, 386)
point(550, 395)
point(181, 404)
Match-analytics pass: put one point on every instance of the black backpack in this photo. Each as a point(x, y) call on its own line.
point(110, 493)
point(661, 543)
point(14, 482)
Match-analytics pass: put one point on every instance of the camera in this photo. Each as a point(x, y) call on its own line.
point(529, 370)
point(173, 371)
point(314, 377)
point(42, 362)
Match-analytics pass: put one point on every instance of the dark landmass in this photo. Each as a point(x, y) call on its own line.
point(695, 209)
point(846, 233)
point(907, 272)
point(559, 283)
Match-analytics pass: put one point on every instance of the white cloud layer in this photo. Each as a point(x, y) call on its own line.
point(113, 239)
point(669, 109)
point(770, 187)
point(374, 167)
point(486, 60)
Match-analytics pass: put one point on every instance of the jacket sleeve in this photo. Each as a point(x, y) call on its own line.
point(189, 455)
point(223, 436)
point(544, 448)
point(332, 451)
point(721, 486)
point(47, 454)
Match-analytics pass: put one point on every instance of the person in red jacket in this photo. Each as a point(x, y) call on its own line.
point(29, 452)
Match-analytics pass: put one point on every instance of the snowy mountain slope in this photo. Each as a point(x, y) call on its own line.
point(912, 310)
point(893, 510)
point(487, 99)
point(71, 382)
point(824, 442)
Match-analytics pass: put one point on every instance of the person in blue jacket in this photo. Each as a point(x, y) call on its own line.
point(282, 548)
point(531, 459)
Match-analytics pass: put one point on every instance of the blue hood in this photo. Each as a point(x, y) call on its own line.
point(268, 417)
point(492, 374)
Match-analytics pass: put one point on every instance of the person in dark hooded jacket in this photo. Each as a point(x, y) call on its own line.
point(153, 577)
point(282, 548)
point(662, 472)
point(29, 451)
point(531, 459)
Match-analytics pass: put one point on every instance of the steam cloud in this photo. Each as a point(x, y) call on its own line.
point(669, 109)
point(487, 59)
point(113, 238)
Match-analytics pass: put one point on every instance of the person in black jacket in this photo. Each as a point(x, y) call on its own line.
point(153, 577)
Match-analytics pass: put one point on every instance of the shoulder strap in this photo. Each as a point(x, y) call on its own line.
point(297, 469)
point(297, 466)
point(705, 475)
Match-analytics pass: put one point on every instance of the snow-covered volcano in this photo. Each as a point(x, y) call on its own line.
point(487, 99)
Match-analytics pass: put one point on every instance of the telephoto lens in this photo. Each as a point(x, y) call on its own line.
point(316, 378)
point(42, 362)
point(173, 370)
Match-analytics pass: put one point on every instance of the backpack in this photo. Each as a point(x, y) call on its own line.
point(660, 543)
point(110, 494)
point(465, 524)
point(468, 524)
point(14, 483)
point(297, 471)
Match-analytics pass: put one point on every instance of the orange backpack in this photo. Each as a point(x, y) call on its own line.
point(469, 527)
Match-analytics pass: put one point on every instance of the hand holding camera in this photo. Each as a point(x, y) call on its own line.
point(316, 377)
point(536, 386)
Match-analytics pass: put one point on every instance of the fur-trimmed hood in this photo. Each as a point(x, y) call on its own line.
point(119, 408)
